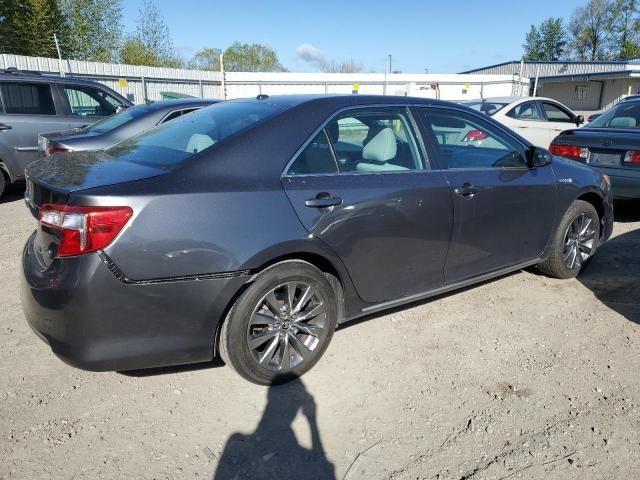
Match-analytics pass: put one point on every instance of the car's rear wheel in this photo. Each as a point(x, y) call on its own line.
point(575, 241)
point(281, 325)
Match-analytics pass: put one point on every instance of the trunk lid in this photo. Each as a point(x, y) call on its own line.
point(607, 146)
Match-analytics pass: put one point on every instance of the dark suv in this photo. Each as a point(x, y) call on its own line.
point(31, 103)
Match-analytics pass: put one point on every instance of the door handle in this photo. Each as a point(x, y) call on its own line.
point(323, 200)
point(467, 190)
point(4, 126)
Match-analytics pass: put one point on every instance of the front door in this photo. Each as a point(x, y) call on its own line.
point(558, 120)
point(364, 186)
point(503, 210)
point(87, 104)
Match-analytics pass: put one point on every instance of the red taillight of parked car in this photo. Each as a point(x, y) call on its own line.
point(569, 151)
point(632, 156)
point(51, 150)
point(474, 135)
point(84, 229)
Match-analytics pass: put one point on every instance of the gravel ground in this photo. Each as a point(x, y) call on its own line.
point(521, 377)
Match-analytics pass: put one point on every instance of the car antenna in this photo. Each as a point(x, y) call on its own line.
point(262, 96)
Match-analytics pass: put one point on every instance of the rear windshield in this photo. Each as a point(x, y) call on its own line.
point(172, 142)
point(488, 108)
point(110, 123)
point(623, 115)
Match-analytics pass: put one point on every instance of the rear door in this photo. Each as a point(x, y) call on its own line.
point(364, 186)
point(504, 210)
point(28, 108)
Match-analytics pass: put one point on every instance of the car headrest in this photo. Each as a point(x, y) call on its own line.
point(623, 122)
point(382, 147)
point(198, 142)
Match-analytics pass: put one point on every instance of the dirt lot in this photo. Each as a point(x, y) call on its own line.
point(522, 377)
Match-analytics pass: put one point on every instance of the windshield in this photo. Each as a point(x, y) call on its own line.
point(172, 142)
point(623, 115)
point(110, 123)
point(486, 107)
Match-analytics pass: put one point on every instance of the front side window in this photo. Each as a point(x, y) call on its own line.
point(27, 98)
point(173, 142)
point(556, 114)
point(89, 101)
point(525, 111)
point(466, 141)
point(374, 140)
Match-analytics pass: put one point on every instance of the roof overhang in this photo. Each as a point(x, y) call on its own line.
point(585, 77)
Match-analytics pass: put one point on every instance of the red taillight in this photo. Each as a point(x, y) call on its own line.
point(51, 150)
point(474, 135)
point(569, 151)
point(84, 229)
point(632, 156)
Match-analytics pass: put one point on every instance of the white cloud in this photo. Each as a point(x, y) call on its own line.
point(311, 54)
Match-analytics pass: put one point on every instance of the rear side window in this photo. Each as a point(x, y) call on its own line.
point(526, 111)
point(315, 159)
point(469, 142)
point(27, 99)
point(173, 142)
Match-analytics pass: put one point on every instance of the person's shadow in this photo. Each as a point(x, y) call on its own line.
point(272, 450)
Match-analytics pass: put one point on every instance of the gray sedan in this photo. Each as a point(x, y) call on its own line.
point(119, 127)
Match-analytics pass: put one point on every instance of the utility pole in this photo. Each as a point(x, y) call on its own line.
point(223, 83)
point(60, 64)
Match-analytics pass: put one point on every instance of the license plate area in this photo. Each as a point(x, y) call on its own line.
point(605, 158)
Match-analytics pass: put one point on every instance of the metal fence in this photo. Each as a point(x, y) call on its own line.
point(139, 83)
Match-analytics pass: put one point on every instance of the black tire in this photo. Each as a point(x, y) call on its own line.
point(301, 352)
point(556, 265)
point(3, 182)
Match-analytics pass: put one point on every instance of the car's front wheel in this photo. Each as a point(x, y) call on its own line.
point(575, 241)
point(281, 325)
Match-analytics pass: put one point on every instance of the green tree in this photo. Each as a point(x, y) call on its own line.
point(590, 30)
point(151, 43)
point(345, 66)
point(95, 29)
point(626, 30)
point(545, 42)
point(206, 59)
point(533, 45)
point(27, 27)
point(243, 57)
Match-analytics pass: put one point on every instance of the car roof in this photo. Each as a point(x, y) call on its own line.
point(179, 102)
point(339, 101)
point(37, 77)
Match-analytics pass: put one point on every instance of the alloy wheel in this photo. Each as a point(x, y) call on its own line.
point(287, 326)
point(579, 241)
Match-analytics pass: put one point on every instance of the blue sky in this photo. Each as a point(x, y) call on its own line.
point(441, 36)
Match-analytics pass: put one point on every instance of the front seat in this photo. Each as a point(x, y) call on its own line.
point(378, 152)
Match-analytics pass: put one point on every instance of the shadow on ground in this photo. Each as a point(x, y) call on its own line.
point(272, 450)
point(12, 192)
point(613, 275)
point(627, 211)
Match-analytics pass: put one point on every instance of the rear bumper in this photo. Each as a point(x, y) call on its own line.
point(94, 321)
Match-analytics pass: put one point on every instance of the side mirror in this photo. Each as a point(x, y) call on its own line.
point(579, 120)
point(538, 157)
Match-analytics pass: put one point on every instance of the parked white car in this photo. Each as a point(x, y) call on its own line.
point(537, 119)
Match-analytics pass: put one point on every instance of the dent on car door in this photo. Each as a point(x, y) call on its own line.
point(29, 109)
point(503, 210)
point(382, 210)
